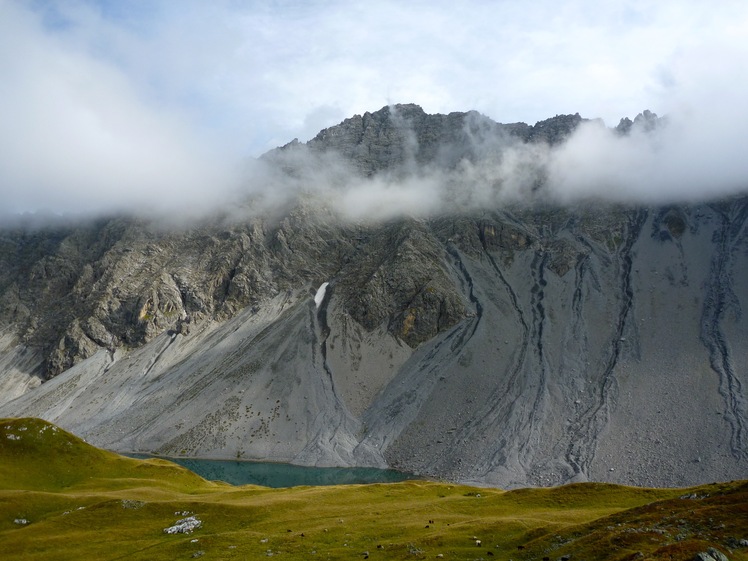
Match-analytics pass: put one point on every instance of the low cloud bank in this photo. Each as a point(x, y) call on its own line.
point(678, 159)
point(101, 116)
point(685, 158)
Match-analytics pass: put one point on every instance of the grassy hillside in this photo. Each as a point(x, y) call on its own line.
point(63, 499)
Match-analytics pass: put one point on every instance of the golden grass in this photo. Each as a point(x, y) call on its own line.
point(85, 503)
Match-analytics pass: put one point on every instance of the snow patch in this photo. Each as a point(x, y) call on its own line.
point(320, 294)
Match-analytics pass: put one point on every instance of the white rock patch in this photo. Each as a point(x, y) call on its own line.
point(184, 526)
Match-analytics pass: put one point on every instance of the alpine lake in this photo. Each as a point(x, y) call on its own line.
point(277, 475)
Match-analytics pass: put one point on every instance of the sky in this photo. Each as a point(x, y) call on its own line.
point(116, 104)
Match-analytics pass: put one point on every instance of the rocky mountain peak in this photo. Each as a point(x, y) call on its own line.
point(646, 121)
point(403, 137)
point(554, 130)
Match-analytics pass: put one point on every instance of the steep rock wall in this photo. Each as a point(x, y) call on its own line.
point(553, 346)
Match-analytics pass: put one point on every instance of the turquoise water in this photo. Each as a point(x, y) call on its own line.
point(283, 475)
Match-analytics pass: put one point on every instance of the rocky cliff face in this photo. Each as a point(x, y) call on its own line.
point(506, 346)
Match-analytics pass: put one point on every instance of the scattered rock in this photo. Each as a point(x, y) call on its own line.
point(710, 554)
point(693, 496)
point(184, 526)
point(132, 504)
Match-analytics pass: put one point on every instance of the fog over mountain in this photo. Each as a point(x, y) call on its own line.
point(644, 161)
point(151, 107)
point(673, 159)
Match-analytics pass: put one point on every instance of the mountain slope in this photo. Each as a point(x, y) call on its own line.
point(61, 498)
point(506, 346)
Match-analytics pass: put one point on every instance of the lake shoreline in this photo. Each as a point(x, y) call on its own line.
point(279, 474)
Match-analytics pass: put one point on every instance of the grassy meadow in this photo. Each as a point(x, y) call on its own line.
point(61, 498)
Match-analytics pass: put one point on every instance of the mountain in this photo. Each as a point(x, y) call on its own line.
point(510, 344)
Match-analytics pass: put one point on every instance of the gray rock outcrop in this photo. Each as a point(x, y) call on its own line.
point(184, 526)
point(711, 554)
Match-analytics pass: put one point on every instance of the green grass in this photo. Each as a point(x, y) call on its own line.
point(86, 503)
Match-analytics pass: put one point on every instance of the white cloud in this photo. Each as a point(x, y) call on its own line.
point(120, 104)
point(78, 137)
point(378, 199)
